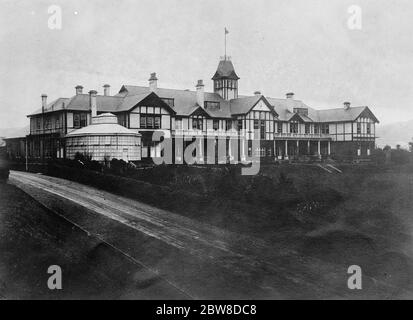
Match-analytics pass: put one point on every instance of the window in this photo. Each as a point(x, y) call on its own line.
point(228, 125)
point(143, 122)
point(279, 127)
point(256, 125)
point(197, 123)
point(368, 128)
point(57, 124)
point(149, 122)
point(76, 120)
point(83, 120)
point(157, 122)
point(178, 124)
point(47, 124)
point(215, 124)
point(325, 128)
point(358, 128)
point(38, 123)
point(316, 129)
point(307, 128)
point(211, 105)
point(293, 127)
point(262, 130)
point(239, 124)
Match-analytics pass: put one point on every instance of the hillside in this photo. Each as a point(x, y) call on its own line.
point(14, 132)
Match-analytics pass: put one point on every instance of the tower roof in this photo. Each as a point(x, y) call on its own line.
point(225, 70)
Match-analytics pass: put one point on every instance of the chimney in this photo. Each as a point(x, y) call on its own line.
point(200, 95)
point(92, 102)
point(153, 82)
point(44, 102)
point(79, 89)
point(106, 90)
point(290, 95)
point(347, 105)
point(257, 93)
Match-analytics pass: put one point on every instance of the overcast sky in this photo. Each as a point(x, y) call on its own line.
point(277, 46)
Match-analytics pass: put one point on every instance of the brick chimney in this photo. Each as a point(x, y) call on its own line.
point(79, 89)
point(93, 103)
point(347, 105)
point(106, 90)
point(153, 82)
point(290, 95)
point(200, 94)
point(44, 102)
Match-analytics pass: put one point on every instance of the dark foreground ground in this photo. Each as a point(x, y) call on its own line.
point(370, 225)
point(32, 238)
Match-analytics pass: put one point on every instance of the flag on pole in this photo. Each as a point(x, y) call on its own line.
point(226, 31)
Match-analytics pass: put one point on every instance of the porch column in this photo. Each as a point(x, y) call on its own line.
point(319, 148)
point(201, 152)
point(275, 150)
point(243, 149)
point(308, 147)
point(329, 147)
point(229, 149)
point(298, 147)
point(286, 150)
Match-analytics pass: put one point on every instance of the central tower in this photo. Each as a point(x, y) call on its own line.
point(226, 80)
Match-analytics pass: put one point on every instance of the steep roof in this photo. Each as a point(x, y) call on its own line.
point(245, 104)
point(225, 70)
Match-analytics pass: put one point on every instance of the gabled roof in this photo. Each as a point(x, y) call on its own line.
point(225, 71)
point(300, 117)
point(245, 104)
point(198, 111)
point(341, 114)
point(144, 99)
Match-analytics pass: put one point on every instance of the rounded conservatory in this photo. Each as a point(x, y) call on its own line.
point(104, 140)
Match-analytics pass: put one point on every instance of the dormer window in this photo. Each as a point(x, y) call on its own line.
point(169, 101)
point(211, 105)
point(303, 111)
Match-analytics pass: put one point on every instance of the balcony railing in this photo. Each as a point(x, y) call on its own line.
point(302, 135)
point(208, 133)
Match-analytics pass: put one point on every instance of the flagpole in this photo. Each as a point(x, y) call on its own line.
point(225, 43)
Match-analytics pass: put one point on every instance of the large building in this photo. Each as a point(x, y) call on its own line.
point(285, 128)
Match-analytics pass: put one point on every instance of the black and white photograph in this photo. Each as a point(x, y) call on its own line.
point(224, 151)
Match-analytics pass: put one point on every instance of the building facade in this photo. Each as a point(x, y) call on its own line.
point(282, 128)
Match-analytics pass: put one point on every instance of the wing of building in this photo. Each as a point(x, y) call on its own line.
point(285, 127)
